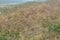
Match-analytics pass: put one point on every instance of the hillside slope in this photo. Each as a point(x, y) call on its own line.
point(37, 21)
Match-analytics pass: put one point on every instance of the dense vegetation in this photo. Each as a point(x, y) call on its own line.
point(36, 21)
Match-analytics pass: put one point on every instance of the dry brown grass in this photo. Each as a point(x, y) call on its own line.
point(29, 23)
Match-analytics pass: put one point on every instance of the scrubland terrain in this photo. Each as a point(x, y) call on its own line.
point(36, 21)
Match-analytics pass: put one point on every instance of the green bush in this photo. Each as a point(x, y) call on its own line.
point(54, 27)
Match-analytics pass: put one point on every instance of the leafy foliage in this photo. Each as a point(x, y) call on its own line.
point(34, 21)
